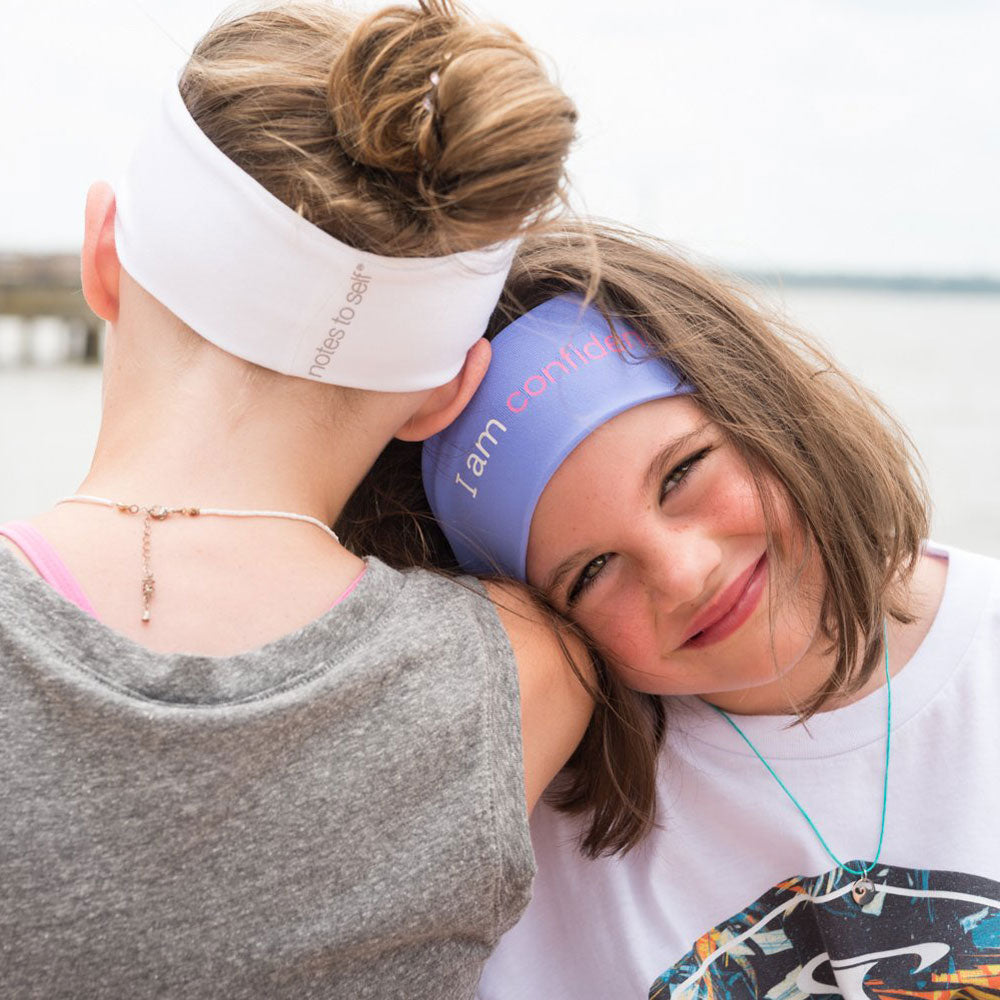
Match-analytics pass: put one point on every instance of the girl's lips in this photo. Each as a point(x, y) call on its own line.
point(737, 604)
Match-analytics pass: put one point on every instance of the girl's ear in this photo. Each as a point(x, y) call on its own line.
point(447, 401)
point(99, 267)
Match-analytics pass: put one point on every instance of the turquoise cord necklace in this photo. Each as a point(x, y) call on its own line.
point(863, 889)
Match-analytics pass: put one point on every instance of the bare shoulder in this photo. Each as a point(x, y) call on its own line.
point(554, 671)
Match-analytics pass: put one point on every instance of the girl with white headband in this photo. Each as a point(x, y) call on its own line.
point(739, 527)
point(239, 761)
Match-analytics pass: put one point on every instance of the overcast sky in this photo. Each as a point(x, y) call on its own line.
point(781, 134)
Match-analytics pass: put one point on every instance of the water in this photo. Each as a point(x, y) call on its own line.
point(49, 419)
point(932, 358)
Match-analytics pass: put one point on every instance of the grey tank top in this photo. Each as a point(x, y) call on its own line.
point(339, 813)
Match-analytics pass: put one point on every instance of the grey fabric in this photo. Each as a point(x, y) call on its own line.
point(337, 814)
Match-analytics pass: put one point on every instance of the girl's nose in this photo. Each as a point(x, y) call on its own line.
point(680, 568)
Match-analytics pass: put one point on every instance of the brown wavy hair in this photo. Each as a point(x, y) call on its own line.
point(847, 470)
point(415, 131)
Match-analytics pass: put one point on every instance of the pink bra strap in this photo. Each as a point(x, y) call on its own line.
point(47, 563)
point(351, 587)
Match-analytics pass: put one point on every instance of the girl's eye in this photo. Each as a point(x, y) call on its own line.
point(590, 573)
point(679, 473)
point(671, 482)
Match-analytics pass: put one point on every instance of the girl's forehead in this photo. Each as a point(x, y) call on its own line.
point(608, 468)
point(631, 434)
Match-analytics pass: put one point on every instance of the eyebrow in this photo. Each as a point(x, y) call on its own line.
point(560, 572)
point(670, 454)
point(666, 456)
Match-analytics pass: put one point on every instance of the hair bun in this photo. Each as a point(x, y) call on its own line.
point(455, 118)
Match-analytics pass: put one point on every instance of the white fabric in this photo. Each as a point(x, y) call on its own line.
point(252, 276)
point(608, 928)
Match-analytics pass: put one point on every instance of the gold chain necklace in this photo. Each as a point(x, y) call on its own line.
point(151, 514)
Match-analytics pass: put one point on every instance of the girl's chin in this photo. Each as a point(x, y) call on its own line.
point(707, 679)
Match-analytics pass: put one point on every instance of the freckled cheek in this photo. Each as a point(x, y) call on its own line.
point(736, 509)
point(624, 627)
point(727, 504)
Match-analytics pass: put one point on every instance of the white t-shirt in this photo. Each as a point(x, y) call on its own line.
point(733, 896)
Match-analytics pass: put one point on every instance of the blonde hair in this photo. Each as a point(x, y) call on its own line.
point(845, 468)
point(415, 131)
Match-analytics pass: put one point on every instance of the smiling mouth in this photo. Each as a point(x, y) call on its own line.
point(739, 602)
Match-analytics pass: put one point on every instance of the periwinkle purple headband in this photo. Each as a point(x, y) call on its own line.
point(558, 372)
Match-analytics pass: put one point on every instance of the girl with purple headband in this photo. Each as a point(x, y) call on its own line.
point(740, 530)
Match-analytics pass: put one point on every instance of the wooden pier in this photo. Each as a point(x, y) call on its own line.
point(46, 287)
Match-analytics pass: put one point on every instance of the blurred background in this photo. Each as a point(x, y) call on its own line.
point(841, 155)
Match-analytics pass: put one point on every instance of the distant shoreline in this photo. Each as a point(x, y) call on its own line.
point(970, 284)
point(48, 271)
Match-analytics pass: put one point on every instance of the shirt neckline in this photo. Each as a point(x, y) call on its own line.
point(92, 652)
point(967, 590)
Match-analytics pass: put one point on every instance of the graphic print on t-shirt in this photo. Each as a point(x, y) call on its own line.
point(923, 934)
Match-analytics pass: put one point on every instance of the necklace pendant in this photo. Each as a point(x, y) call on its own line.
point(863, 891)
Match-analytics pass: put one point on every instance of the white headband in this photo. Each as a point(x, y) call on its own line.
point(252, 276)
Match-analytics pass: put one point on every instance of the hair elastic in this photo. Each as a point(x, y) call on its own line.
point(558, 372)
point(255, 278)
